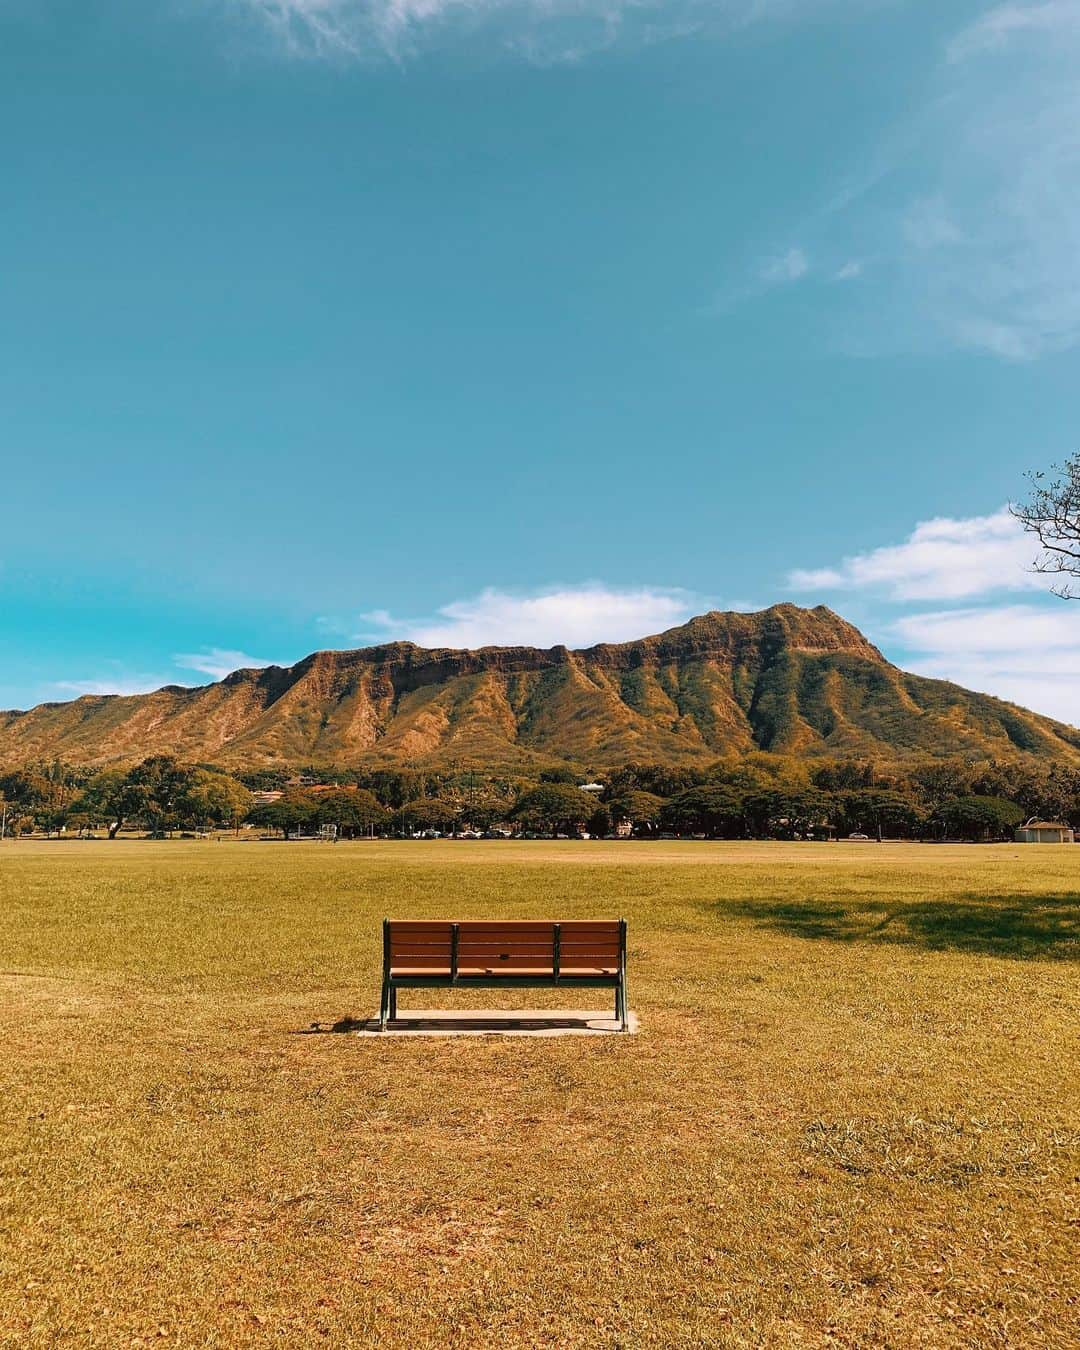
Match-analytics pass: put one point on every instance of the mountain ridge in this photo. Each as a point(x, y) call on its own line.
point(792, 680)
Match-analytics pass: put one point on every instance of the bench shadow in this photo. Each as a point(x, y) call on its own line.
point(456, 1023)
point(341, 1026)
point(1038, 927)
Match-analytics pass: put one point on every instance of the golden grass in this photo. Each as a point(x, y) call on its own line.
point(851, 1116)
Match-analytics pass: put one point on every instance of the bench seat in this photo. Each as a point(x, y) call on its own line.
point(487, 954)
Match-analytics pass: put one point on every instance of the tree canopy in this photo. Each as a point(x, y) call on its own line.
point(554, 807)
point(980, 817)
point(758, 795)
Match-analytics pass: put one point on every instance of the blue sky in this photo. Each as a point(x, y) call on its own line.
point(327, 322)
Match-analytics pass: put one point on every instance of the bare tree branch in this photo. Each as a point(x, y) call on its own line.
point(1052, 515)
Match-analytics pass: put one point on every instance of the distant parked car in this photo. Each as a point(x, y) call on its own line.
point(860, 838)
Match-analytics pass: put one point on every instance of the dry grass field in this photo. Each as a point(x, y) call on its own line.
point(851, 1117)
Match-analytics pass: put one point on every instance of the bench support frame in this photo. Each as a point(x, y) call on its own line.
point(557, 980)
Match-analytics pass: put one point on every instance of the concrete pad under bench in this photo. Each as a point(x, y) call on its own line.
point(485, 1022)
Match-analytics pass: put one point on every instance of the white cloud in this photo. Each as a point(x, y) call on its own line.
point(1003, 273)
point(850, 271)
point(969, 203)
point(114, 684)
point(1028, 654)
point(219, 662)
point(350, 28)
point(790, 266)
point(942, 559)
point(994, 30)
point(213, 661)
point(540, 31)
point(1008, 281)
point(994, 628)
point(929, 224)
point(572, 616)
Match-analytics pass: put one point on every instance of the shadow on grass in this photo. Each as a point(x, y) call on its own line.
point(477, 1024)
point(344, 1024)
point(1044, 927)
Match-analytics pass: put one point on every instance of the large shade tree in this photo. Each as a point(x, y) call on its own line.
point(879, 811)
point(292, 812)
point(715, 809)
point(112, 798)
point(214, 799)
point(352, 812)
point(554, 807)
point(641, 809)
point(980, 818)
point(429, 813)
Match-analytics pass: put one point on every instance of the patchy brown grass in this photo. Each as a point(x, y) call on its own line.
point(851, 1117)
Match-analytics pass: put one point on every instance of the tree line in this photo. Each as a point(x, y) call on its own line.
point(757, 795)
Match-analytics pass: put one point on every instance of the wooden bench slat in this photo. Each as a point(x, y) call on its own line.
point(516, 966)
point(494, 948)
point(567, 959)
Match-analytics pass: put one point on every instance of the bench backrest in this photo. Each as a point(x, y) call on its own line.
point(519, 945)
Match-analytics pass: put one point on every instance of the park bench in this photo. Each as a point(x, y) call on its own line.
point(497, 954)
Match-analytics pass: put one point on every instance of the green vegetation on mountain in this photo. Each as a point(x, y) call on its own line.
point(786, 680)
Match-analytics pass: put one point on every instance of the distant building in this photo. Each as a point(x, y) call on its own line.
point(1044, 832)
point(591, 787)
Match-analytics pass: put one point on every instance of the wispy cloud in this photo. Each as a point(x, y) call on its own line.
point(1004, 23)
point(1028, 654)
point(572, 616)
point(213, 661)
point(109, 684)
point(541, 31)
point(942, 559)
point(970, 202)
point(790, 266)
point(349, 28)
point(219, 662)
point(995, 628)
point(1005, 274)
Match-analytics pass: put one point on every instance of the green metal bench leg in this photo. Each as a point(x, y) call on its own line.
point(393, 1004)
point(620, 989)
point(384, 1006)
point(620, 1005)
